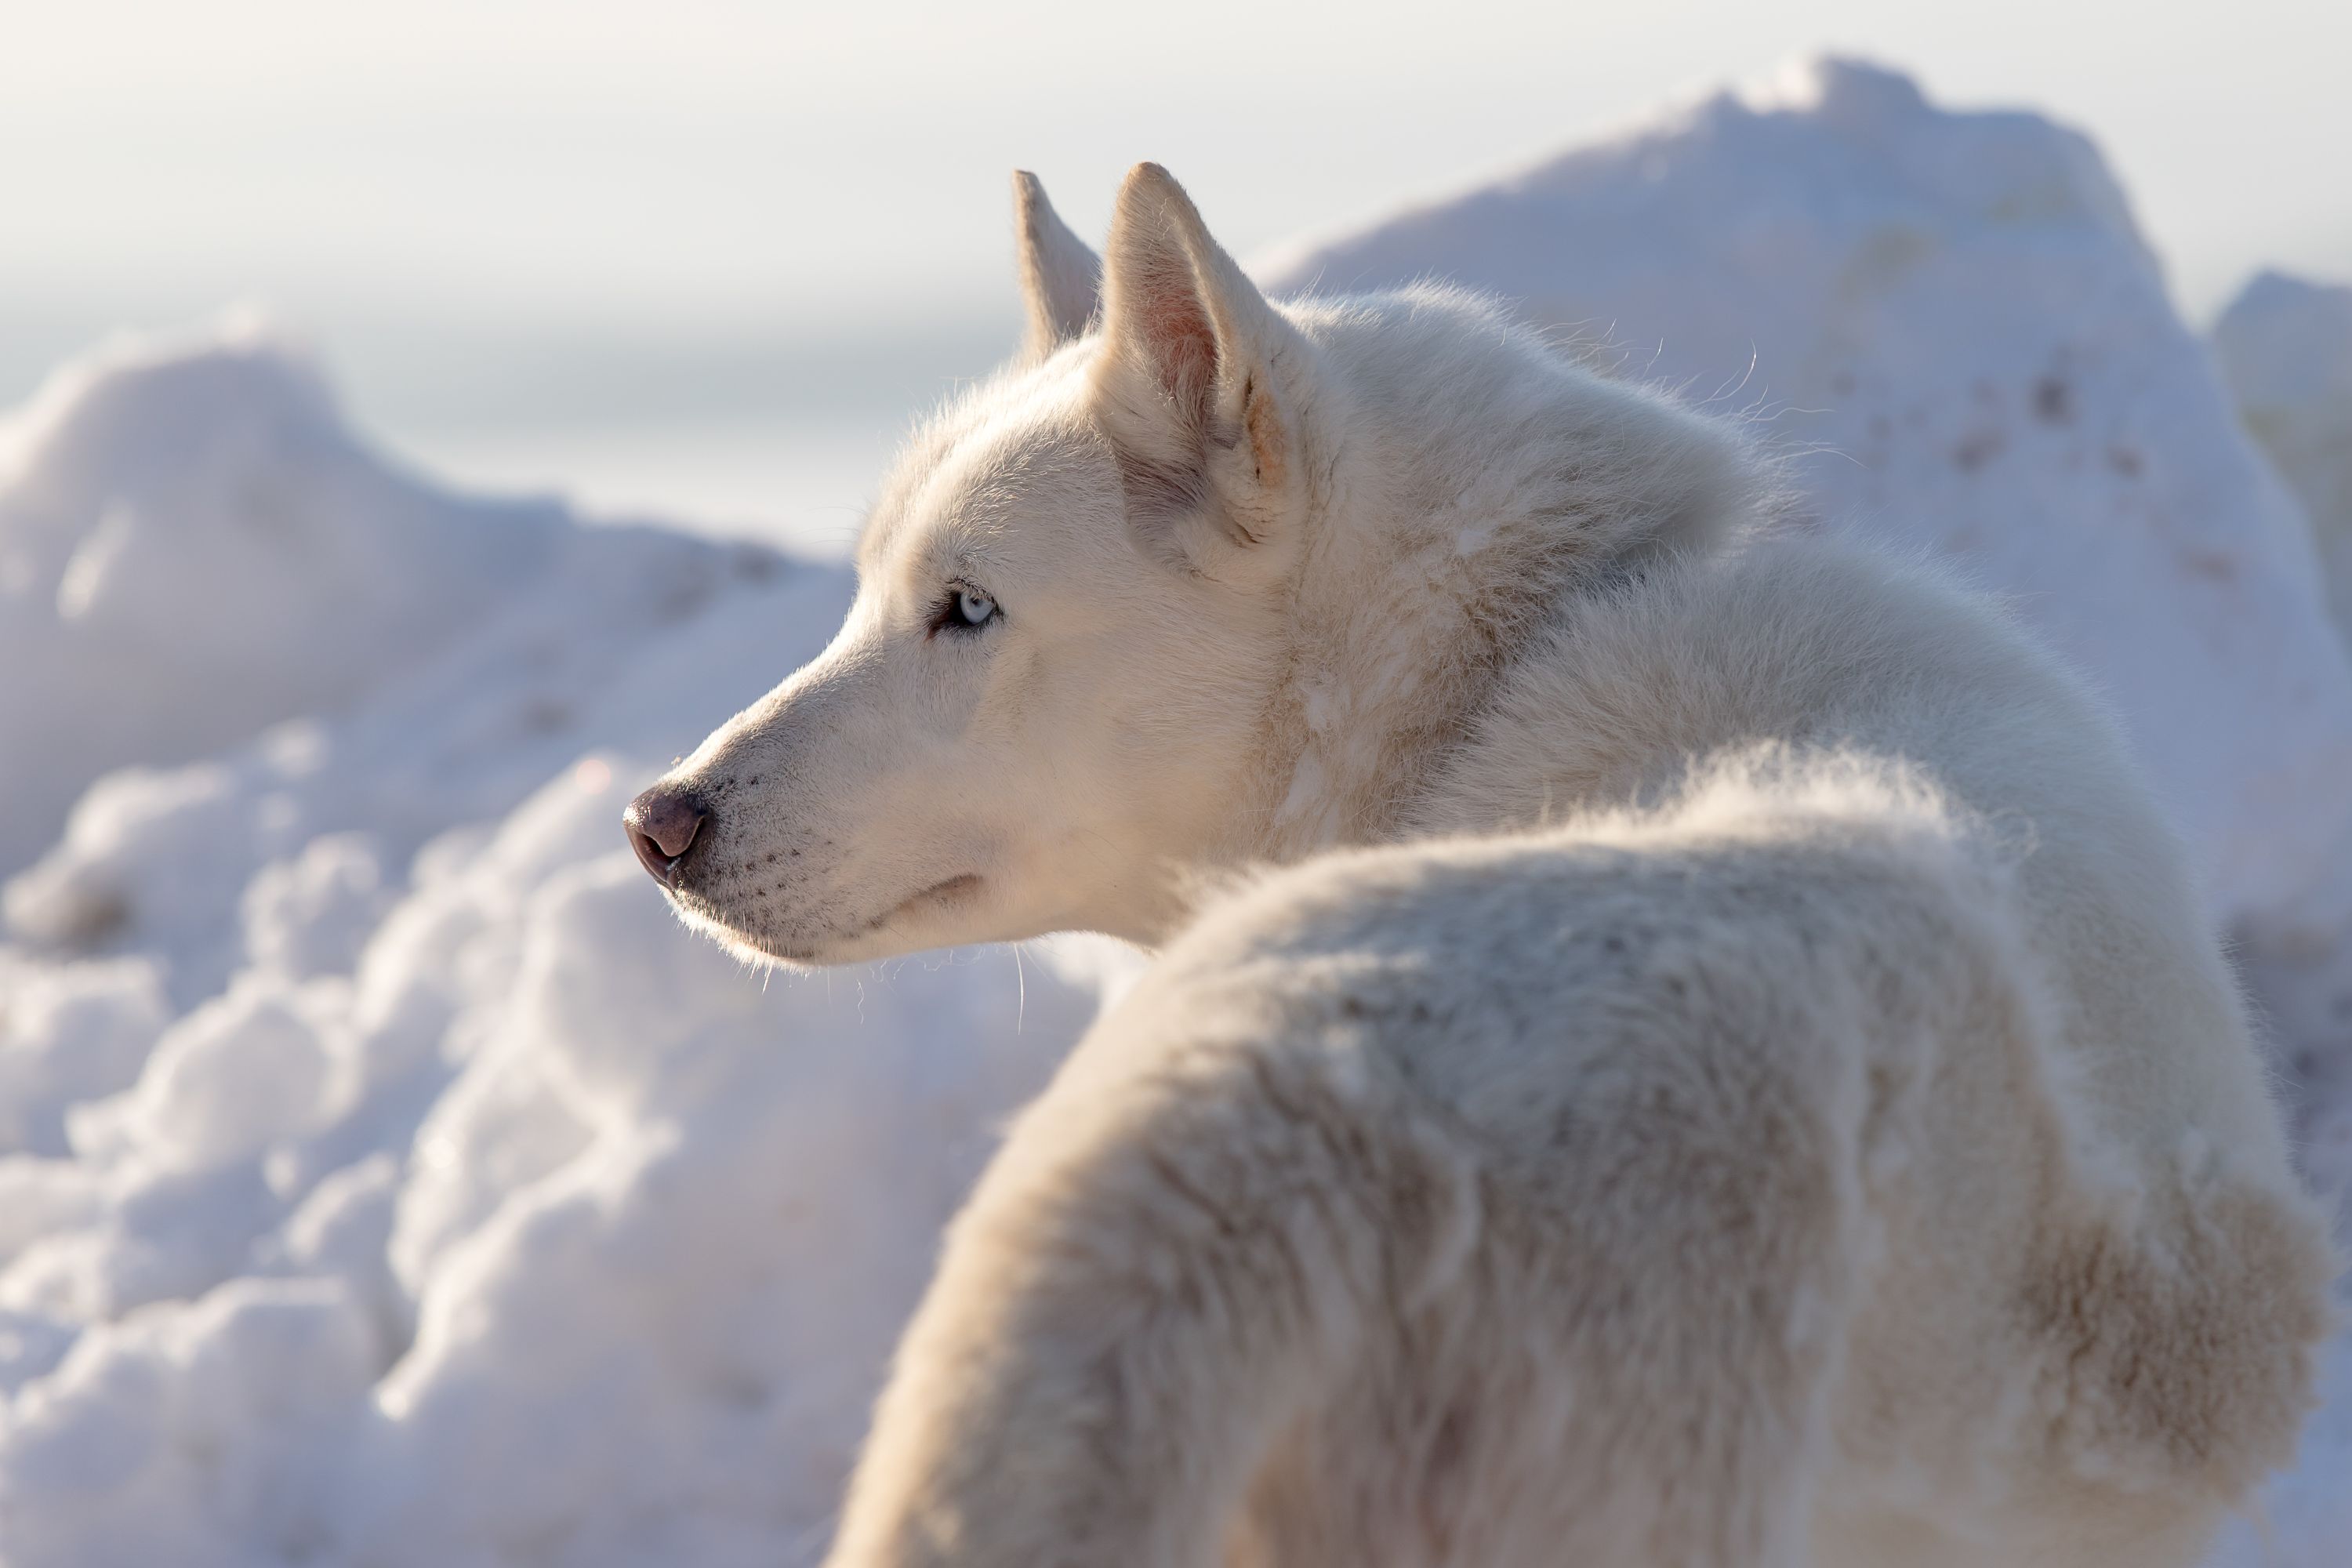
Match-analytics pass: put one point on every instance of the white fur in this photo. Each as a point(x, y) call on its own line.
point(1675, 1045)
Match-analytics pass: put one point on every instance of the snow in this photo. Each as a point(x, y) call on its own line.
point(384, 1173)
point(385, 1177)
point(2286, 349)
point(142, 478)
point(2284, 346)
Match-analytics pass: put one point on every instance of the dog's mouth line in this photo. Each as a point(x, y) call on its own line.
point(960, 885)
point(947, 890)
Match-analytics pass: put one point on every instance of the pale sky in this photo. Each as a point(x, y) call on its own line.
point(699, 179)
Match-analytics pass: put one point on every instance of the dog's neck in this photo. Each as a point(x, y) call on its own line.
point(1463, 511)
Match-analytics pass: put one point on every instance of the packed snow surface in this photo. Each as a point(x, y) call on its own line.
point(386, 1178)
point(2285, 348)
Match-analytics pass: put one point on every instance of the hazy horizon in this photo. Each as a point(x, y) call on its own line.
point(549, 244)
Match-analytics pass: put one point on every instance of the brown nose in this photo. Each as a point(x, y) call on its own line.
point(661, 825)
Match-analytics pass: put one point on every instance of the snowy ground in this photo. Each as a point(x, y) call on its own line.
point(385, 1179)
point(2286, 349)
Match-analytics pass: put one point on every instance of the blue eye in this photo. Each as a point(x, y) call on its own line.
point(967, 609)
point(971, 608)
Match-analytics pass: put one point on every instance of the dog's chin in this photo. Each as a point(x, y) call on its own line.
point(936, 916)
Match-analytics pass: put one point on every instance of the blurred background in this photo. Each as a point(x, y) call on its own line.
point(704, 258)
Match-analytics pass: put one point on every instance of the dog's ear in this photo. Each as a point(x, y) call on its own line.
point(1194, 386)
point(1060, 278)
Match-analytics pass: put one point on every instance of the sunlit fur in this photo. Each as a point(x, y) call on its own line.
point(1675, 1043)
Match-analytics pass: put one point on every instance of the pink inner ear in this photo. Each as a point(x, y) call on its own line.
point(1180, 338)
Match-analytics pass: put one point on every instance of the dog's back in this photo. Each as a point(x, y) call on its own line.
point(1829, 817)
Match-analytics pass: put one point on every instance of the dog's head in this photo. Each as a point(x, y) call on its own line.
point(1045, 701)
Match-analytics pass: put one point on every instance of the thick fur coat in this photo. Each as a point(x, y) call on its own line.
point(1675, 1043)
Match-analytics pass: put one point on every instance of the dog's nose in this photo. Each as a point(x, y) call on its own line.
point(661, 825)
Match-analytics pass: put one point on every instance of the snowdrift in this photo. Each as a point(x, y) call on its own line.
point(386, 1179)
point(2285, 348)
point(384, 1175)
point(192, 546)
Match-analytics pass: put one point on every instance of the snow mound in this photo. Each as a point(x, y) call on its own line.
point(2286, 349)
point(613, 1286)
point(452, 655)
point(2284, 346)
point(1952, 323)
point(385, 1176)
point(192, 546)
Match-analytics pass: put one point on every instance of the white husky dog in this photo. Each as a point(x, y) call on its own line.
point(1672, 1048)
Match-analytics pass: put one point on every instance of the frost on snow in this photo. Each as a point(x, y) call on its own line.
point(386, 1178)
